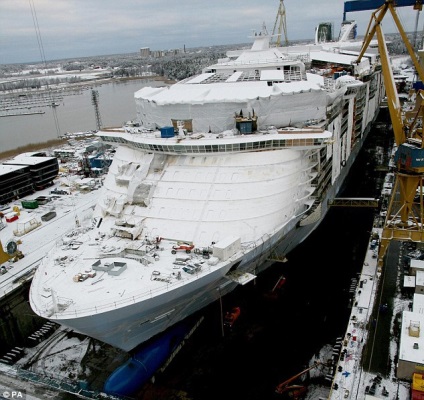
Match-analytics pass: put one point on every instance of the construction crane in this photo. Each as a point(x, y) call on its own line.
point(281, 21)
point(405, 209)
point(414, 40)
point(295, 391)
point(95, 101)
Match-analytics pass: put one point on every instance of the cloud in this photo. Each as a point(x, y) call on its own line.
point(72, 28)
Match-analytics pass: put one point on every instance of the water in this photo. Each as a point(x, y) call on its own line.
point(75, 113)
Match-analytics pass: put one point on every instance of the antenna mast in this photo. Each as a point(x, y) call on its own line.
point(43, 59)
point(95, 101)
point(281, 20)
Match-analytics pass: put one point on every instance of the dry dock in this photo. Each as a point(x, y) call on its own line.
point(367, 358)
point(18, 320)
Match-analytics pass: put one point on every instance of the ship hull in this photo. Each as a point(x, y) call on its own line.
point(239, 196)
point(127, 327)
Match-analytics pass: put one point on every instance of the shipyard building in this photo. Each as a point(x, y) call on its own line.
point(25, 174)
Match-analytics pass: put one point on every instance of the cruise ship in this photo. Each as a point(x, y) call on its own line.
point(221, 173)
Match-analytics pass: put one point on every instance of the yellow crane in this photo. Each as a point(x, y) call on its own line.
point(281, 21)
point(405, 212)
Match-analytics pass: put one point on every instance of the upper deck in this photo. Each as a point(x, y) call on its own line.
point(226, 142)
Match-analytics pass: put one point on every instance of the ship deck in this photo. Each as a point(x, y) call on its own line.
point(117, 271)
point(226, 142)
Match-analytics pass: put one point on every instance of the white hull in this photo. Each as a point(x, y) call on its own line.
point(234, 197)
point(124, 328)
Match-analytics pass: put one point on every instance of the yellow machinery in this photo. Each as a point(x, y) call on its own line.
point(12, 252)
point(3, 255)
point(418, 382)
point(405, 208)
point(281, 21)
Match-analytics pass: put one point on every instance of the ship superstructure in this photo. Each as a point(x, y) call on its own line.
point(224, 170)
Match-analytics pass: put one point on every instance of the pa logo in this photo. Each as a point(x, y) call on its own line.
point(13, 394)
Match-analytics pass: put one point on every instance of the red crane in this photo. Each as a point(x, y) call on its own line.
point(295, 391)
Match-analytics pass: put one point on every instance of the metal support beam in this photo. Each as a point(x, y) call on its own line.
point(363, 5)
point(354, 202)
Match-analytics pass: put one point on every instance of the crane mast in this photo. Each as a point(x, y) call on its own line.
point(95, 101)
point(405, 213)
point(281, 21)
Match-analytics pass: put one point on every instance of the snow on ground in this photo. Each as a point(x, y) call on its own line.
point(12, 387)
point(57, 73)
point(391, 383)
point(401, 61)
point(59, 356)
point(47, 369)
point(403, 66)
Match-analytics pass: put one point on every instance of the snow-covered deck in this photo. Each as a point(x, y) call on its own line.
point(116, 274)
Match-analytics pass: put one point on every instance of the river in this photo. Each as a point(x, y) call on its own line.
point(75, 113)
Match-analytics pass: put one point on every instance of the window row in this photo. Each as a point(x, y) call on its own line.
point(218, 148)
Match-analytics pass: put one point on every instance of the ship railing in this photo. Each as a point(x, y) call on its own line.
point(294, 76)
point(51, 381)
point(329, 84)
point(289, 57)
point(62, 384)
point(243, 144)
point(176, 281)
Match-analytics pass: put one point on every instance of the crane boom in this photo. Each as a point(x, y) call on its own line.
point(284, 386)
point(363, 5)
point(281, 21)
point(392, 96)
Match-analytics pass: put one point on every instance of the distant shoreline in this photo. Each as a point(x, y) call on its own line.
point(87, 82)
point(31, 147)
point(5, 155)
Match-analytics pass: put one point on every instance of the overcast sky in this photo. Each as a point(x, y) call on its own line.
point(79, 28)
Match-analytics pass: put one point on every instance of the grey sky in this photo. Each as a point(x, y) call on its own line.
point(78, 28)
